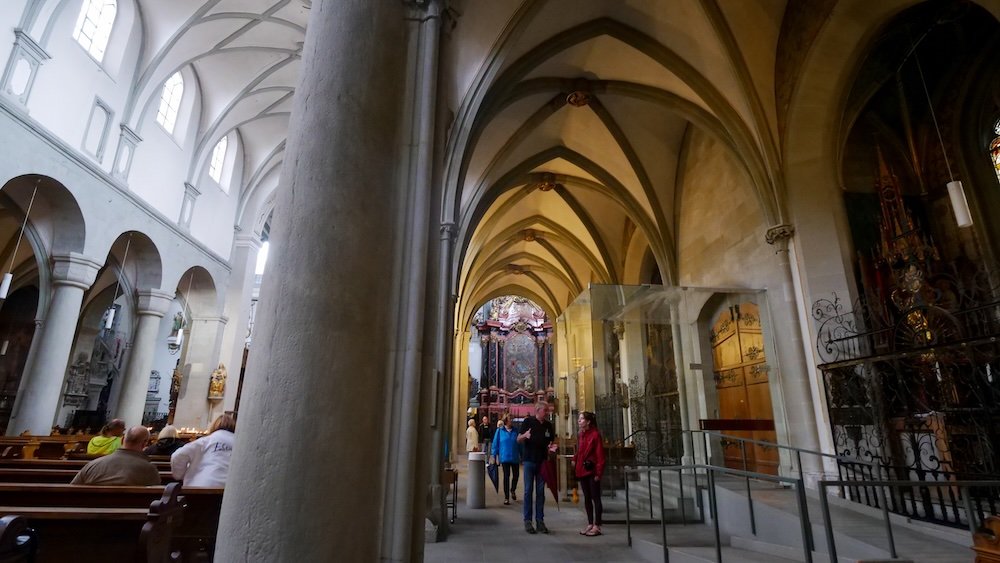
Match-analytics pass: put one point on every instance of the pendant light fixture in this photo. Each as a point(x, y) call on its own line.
point(109, 320)
point(9, 276)
point(956, 192)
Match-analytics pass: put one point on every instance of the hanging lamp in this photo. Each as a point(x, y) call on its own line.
point(109, 320)
point(9, 276)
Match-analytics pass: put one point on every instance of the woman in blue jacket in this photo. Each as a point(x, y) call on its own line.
point(507, 452)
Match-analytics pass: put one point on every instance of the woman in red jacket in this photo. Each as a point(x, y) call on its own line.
point(589, 461)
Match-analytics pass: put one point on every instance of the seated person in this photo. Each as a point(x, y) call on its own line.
point(109, 440)
point(167, 442)
point(127, 466)
point(205, 461)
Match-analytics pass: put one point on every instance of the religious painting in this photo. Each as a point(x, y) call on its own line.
point(521, 367)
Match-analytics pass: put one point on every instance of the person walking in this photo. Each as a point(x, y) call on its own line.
point(538, 437)
point(485, 434)
point(507, 453)
point(589, 467)
point(471, 437)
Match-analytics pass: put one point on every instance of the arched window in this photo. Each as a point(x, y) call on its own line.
point(995, 149)
point(218, 159)
point(170, 102)
point(93, 26)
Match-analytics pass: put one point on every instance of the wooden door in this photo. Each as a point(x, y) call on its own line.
point(741, 382)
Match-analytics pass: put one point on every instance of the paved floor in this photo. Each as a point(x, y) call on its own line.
point(496, 534)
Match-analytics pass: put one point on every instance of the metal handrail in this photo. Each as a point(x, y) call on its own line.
point(711, 471)
point(962, 486)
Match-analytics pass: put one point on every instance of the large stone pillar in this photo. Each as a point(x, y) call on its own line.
point(72, 274)
point(796, 379)
point(238, 297)
point(194, 410)
point(309, 474)
point(153, 304)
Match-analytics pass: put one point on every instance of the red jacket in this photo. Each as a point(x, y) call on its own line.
point(589, 446)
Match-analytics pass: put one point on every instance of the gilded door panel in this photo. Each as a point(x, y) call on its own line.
point(742, 384)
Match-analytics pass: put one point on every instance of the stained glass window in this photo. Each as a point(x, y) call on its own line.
point(995, 149)
point(170, 102)
point(93, 26)
point(218, 159)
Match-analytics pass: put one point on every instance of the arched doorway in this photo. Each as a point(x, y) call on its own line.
point(742, 386)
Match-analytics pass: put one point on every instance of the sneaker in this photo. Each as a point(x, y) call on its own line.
point(506, 501)
point(528, 527)
point(541, 527)
point(513, 496)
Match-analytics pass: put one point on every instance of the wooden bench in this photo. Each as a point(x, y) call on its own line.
point(63, 476)
point(196, 531)
point(76, 465)
point(85, 534)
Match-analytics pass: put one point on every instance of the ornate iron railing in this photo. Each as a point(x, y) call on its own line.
point(913, 389)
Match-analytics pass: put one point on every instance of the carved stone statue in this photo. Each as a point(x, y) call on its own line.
point(217, 385)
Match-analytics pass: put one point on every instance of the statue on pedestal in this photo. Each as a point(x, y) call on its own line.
point(217, 385)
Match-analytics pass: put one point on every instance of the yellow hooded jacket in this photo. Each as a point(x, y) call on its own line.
point(101, 445)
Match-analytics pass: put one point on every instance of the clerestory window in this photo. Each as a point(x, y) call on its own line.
point(218, 159)
point(170, 102)
point(93, 26)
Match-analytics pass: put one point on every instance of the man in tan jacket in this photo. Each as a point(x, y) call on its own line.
point(127, 466)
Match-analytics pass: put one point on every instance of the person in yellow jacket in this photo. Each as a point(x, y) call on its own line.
point(109, 440)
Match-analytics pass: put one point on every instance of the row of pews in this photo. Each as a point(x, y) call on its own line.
point(85, 524)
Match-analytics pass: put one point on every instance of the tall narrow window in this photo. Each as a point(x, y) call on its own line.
point(218, 159)
point(170, 102)
point(93, 26)
point(995, 149)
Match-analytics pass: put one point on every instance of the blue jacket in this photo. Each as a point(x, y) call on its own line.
point(505, 446)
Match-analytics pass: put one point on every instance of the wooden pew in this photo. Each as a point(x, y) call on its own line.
point(61, 464)
point(63, 476)
point(196, 530)
point(85, 534)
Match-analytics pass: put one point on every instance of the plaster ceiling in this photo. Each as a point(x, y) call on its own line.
point(246, 55)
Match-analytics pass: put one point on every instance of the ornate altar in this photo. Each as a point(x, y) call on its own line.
point(516, 339)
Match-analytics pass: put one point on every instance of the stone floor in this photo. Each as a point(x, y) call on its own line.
point(496, 534)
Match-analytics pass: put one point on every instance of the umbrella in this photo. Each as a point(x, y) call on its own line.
point(491, 470)
point(551, 478)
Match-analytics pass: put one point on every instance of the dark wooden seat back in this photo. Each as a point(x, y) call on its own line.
point(17, 540)
point(158, 531)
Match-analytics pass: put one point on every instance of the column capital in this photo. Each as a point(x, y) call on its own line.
point(247, 241)
point(779, 235)
point(154, 302)
point(129, 134)
point(74, 269)
point(190, 190)
point(448, 231)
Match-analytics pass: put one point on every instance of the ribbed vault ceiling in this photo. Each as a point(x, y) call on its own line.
point(572, 123)
point(246, 56)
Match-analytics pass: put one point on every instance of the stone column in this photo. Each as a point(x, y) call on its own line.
point(319, 372)
point(238, 297)
point(153, 304)
point(72, 274)
point(795, 377)
point(194, 410)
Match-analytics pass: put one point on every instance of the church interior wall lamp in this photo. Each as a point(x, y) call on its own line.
point(109, 320)
point(9, 276)
point(956, 192)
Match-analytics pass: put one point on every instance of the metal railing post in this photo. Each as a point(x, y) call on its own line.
point(680, 487)
point(628, 513)
point(715, 514)
point(663, 520)
point(888, 525)
point(804, 522)
point(753, 518)
point(831, 544)
point(798, 463)
point(969, 514)
point(649, 489)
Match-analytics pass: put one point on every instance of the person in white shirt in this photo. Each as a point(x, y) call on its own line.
point(205, 461)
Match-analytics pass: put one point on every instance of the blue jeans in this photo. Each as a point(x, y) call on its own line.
point(534, 485)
